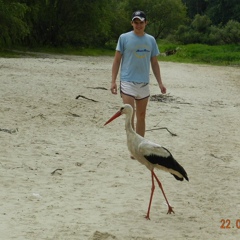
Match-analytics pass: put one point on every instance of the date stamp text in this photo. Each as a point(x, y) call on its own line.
point(227, 224)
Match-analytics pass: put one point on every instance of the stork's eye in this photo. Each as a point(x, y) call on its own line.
point(121, 109)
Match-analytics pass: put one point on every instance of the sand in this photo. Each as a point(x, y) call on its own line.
point(65, 176)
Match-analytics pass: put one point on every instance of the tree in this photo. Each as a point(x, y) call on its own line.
point(164, 15)
point(75, 22)
point(12, 26)
point(221, 11)
point(195, 7)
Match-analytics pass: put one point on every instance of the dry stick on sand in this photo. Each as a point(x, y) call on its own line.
point(101, 88)
point(159, 128)
point(9, 130)
point(73, 114)
point(173, 134)
point(58, 169)
point(77, 97)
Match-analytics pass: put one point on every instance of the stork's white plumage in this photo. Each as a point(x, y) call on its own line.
point(150, 154)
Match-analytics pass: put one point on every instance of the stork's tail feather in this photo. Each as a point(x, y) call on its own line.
point(177, 167)
point(182, 171)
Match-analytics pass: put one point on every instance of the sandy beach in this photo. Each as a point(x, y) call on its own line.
point(66, 176)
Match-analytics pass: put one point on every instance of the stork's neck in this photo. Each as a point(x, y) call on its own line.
point(128, 123)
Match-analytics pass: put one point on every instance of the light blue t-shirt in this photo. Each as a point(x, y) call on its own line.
point(136, 55)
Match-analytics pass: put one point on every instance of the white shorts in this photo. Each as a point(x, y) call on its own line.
point(136, 90)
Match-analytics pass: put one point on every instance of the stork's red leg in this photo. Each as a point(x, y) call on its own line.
point(170, 209)
point(151, 196)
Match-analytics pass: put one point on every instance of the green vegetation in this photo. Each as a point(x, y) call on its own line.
point(200, 53)
point(79, 23)
point(196, 31)
point(228, 55)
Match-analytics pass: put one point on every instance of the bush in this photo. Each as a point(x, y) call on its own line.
point(231, 32)
point(215, 36)
point(201, 23)
point(201, 31)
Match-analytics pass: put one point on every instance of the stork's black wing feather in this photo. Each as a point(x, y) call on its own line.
point(167, 162)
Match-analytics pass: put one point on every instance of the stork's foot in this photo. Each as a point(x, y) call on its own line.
point(147, 217)
point(170, 210)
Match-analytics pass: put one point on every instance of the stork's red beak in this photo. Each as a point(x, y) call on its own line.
point(116, 115)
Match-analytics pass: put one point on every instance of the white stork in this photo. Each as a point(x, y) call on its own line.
point(150, 154)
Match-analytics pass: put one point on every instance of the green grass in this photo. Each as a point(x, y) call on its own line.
point(191, 53)
point(8, 54)
point(202, 54)
point(77, 51)
point(20, 51)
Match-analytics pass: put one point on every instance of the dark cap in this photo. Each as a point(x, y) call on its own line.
point(140, 15)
